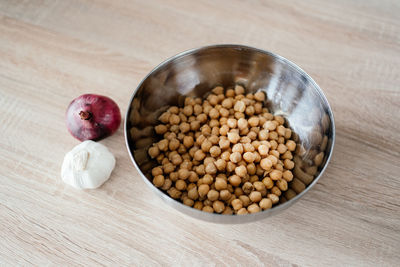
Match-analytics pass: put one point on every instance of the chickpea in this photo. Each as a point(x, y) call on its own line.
point(202, 117)
point(227, 103)
point(235, 157)
point(249, 157)
point(273, 135)
point(288, 134)
point(208, 179)
point(211, 169)
point(220, 164)
point(241, 171)
point(265, 204)
point(214, 114)
point(163, 145)
point(156, 171)
point(168, 168)
point(215, 151)
point(231, 122)
point(239, 90)
point(252, 135)
point(214, 124)
point(227, 211)
point(275, 190)
point(205, 130)
point(279, 119)
point(237, 204)
point(198, 205)
point(267, 181)
point(234, 180)
point(281, 148)
point(154, 151)
point(251, 168)
point(273, 159)
point(214, 139)
point(220, 184)
point(255, 196)
point(183, 174)
point(282, 184)
point(161, 129)
point(199, 155)
point(230, 92)
point(180, 185)
point(245, 200)
point(288, 164)
point(158, 180)
point(188, 202)
point(203, 190)
point(266, 164)
point(200, 170)
point(259, 186)
point(242, 123)
point(287, 175)
point(233, 137)
point(253, 208)
point(176, 159)
point(230, 166)
point(238, 191)
point(248, 147)
point(259, 96)
point(174, 176)
point(253, 121)
point(270, 125)
point(281, 130)
point(193, 177)
point(242, 211)
point(174, 110)
point(224, 194)
point(240, 106)
point(188, 110)
point(274, 198)
point(237, 148)
point(263, 150)
point(174, 119)
point(195, 125)
point(164, 118)
point(167, 184)
point(275, 175)
point(224, 130)
point(249, 110)
point(212, 195)
point(208, 209)
point(218, 206)
point(174, 193)
point(287, 155)
point(263, 135)
point(239, 115)
point(173, 144)
point(224, 143)
point(188, 141)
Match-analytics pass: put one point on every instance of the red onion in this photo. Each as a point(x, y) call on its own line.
point(92, 117)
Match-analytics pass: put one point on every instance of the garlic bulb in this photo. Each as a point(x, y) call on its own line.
point(88, 165)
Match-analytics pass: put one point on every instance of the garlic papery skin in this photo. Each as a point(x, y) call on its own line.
point(88, 165)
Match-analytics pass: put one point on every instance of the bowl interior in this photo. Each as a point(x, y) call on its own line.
point(290, 93)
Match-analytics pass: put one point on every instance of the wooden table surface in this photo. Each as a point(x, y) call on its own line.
point(53, 51)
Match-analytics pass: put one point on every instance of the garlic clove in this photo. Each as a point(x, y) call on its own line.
point(88, 165)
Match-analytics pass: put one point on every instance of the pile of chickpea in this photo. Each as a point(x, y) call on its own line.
point(225, 154)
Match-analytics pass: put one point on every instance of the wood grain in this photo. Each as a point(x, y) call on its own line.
point(53, 51)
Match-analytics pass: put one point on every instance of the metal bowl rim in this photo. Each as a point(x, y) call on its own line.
point(213, 217)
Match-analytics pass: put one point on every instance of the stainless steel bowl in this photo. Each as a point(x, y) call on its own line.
point(290, 92)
